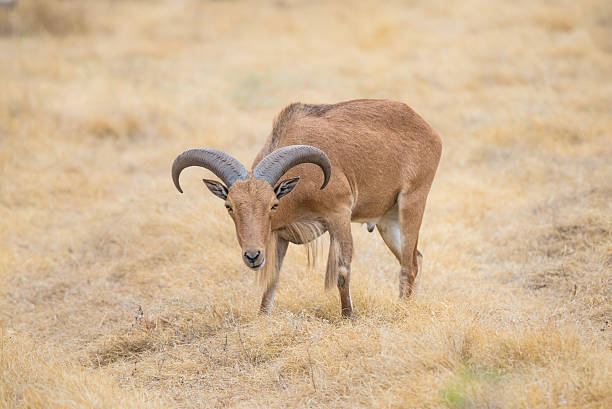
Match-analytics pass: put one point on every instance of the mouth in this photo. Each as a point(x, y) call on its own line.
point(257, 266)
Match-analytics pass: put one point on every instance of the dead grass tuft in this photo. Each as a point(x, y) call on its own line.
point(125, 348)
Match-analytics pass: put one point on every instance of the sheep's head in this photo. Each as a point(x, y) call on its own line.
point(251, 198)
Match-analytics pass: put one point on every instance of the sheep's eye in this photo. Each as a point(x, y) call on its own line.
point(229, 208)
point(274, 206)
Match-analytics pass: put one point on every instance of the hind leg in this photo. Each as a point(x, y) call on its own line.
point(411, 207)
point(399, 229)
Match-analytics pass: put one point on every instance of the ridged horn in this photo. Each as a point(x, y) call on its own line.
point(277, 163)
point(224, 166)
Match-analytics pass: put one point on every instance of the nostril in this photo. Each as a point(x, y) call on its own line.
point(252, 255)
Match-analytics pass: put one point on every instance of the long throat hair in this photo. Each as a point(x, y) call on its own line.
point(308, 234)
point(269, 272)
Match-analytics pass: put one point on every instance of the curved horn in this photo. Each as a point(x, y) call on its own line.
point(275, 164)
point(226, 167)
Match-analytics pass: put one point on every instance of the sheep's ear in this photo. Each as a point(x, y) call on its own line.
point(217, 189)
point(285, 187)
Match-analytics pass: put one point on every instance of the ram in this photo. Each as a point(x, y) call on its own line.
point(364, 161)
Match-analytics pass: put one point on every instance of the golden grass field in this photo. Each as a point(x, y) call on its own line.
point(117, 291)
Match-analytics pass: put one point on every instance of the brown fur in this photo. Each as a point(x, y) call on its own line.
point(384, 157)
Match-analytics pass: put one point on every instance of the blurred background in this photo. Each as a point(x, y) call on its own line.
point(119, 292)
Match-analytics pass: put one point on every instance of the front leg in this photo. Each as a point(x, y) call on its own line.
point(279, 248)
point(339, 261)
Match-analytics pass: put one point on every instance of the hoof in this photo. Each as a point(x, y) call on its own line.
point(347, 312)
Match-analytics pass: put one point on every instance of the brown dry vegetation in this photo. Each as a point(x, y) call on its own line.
point(116, 291)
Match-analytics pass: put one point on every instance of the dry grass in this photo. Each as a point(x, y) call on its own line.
point(32, 17)
point(31, 376)
point(118, 292)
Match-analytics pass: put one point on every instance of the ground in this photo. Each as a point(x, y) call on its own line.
point(117, 291)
